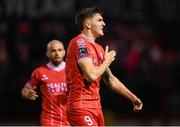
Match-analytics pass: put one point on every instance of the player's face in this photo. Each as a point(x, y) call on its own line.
point(56, 53)
point(97, 25)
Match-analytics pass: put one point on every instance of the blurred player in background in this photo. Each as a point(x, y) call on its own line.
point(86, 63)
point(51, 80)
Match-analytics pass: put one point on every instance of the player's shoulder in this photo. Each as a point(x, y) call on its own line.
point(40, 68)
point(78, 40)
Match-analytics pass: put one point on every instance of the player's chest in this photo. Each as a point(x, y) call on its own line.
point(54, 82)
point(53, 77)
point(96, 55)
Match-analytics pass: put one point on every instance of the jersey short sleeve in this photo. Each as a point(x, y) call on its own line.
point(82, 50)
point(34, 80)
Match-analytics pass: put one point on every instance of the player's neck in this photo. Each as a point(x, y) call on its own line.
point(89, 35)
point(56, 65)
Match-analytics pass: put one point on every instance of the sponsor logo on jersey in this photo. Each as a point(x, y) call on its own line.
point(57, 88)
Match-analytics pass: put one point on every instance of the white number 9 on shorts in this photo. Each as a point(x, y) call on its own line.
point(88, 120)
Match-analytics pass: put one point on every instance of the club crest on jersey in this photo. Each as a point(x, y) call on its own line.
point(80, 43)
point(83, 52)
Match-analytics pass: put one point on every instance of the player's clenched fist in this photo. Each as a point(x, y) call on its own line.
point(137, 105)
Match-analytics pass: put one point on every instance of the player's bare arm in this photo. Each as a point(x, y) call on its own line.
point(112, 82)
point(29, 93)
point(90, 72)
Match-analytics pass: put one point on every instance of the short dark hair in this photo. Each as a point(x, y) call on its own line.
point(84, 13)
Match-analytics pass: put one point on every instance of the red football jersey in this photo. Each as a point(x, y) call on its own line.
point(52, 83)
point(82, 94)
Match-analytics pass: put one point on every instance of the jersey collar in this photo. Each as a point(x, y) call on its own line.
point(88, 38)
point(54, 68)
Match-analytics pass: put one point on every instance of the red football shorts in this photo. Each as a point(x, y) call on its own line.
point(86, 117)
point(53, 122)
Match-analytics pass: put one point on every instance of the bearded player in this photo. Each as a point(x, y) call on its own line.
point(51, 80)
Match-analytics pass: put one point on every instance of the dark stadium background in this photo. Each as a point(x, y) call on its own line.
point(144, 33)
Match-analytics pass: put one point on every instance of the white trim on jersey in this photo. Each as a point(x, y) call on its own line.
point(83, 59)
point(54, 68)
point(29, 85)
point(88, 38)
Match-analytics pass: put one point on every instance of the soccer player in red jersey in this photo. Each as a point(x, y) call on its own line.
point(51, 80)
point(86, 63)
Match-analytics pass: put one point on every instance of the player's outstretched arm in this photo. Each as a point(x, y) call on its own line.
point(112, 82)
point(29, 93)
